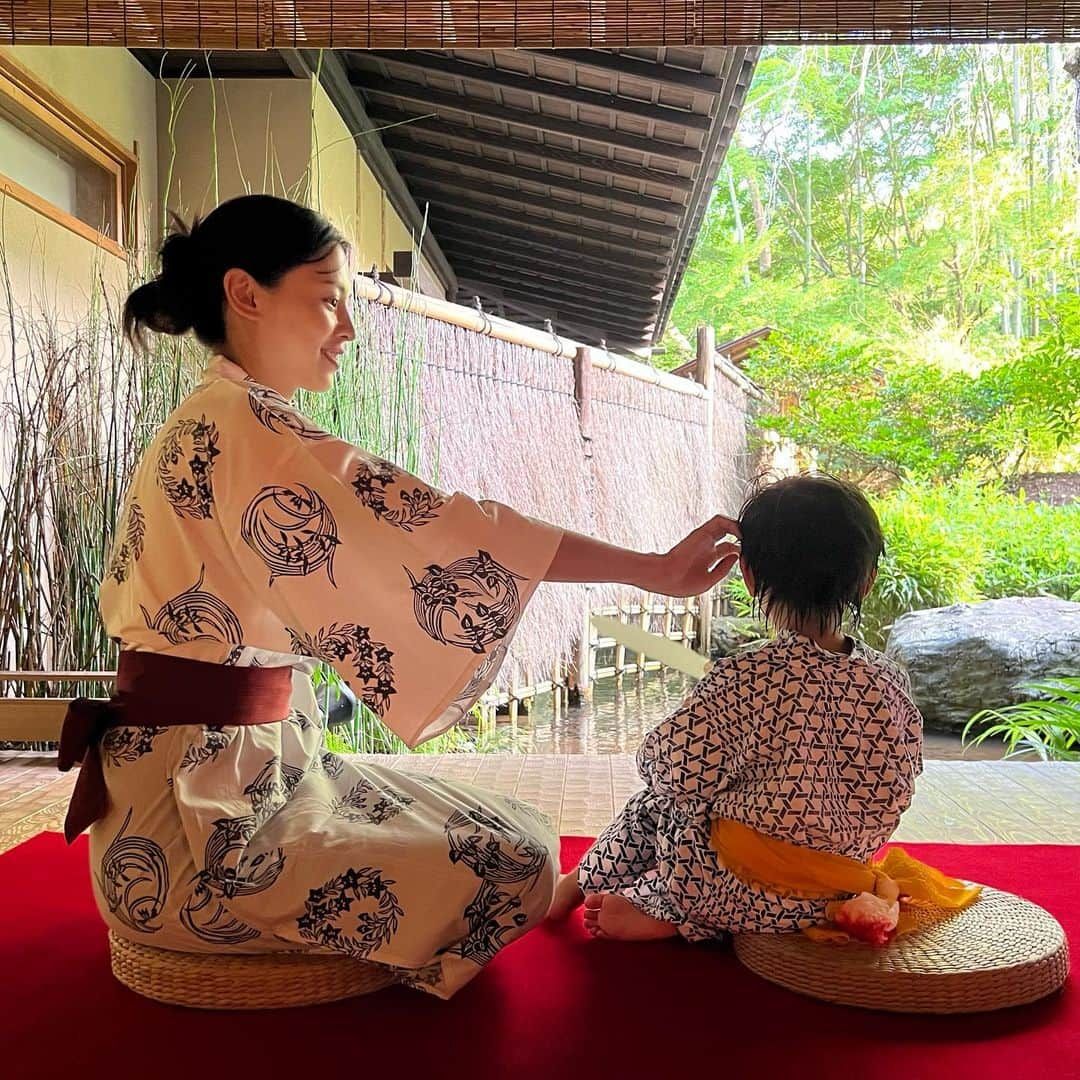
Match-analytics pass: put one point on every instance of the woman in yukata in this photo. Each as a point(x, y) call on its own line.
point(252, 545)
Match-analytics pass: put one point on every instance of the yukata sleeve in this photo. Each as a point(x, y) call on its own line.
point(410, 593)
point(687, 757)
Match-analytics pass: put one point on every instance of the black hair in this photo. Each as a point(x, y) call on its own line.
point(812, 544)
point(262, 234)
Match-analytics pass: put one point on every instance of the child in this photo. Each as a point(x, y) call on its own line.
point(812, 738)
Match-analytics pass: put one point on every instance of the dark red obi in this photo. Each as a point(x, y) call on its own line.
point(154, 690)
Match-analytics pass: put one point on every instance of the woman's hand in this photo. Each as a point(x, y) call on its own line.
point(696, 563)
point(691, 567)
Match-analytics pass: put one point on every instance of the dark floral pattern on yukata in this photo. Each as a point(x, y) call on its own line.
point(373, 674)
point(230, 870)
point(471, 603)
point(279, 416)
point(374, 479)
point(134, 880)
point(185, 465)
point(195, 615)
point(292, 531)
point(356, 913)
point(128, 546)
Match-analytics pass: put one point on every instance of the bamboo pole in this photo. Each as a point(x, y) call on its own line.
point(433, 307)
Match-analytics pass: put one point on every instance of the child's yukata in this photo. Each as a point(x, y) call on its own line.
point(805, 745)
point(250, 537)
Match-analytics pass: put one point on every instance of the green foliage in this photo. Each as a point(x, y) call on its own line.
point(368, 735)
point(365, 733)
point(904, 218)
point(937, 179)
point(870, 415)
point(1049, 726)
point(1042, 388)
point(869, 411)
point(966, 541)
point(738, 596)
point(960, 542)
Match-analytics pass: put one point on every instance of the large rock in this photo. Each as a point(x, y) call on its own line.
point(968, 657)
point(731, 634)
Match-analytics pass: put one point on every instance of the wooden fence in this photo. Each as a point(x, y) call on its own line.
point(703, 468)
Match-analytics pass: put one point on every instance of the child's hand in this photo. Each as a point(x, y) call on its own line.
point(700, 560)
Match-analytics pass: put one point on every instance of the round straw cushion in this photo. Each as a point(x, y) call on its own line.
point(1001, 951)
point(237, 981)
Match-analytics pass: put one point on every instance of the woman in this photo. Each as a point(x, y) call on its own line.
point(253, 544)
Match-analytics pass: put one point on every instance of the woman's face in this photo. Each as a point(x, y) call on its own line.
point(296, 330)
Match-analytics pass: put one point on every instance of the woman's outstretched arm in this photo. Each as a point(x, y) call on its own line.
point(692, 566)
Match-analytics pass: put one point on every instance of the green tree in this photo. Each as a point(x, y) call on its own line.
point(908, 221)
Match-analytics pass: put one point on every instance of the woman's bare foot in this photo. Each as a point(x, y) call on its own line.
point(568, 895)
point(608, 915)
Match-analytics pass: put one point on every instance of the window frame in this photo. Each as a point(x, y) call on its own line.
point(19, 86)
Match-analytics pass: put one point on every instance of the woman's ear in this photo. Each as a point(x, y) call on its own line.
point(241, 293)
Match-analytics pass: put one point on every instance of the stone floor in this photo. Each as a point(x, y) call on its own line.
point(963, 802)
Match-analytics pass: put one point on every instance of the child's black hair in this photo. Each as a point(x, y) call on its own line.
point(812, 544)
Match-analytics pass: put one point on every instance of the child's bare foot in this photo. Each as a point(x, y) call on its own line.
point(568, 895)
point(608, 915)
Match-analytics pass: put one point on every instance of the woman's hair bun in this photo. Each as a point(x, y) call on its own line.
point(179, 254)
point(168, 303)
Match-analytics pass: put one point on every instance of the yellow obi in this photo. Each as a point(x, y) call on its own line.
point(890, 896)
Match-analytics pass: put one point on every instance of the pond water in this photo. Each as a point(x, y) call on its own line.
point(623, 709)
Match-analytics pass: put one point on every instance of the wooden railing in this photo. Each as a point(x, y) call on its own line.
point(38, 719)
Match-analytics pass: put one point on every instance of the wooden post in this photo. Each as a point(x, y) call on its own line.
point(669, 618)
point(583, 379)
point(583, 368)
point(585, 654)
point(646, 605)
point(688, 620)
point(704, 372)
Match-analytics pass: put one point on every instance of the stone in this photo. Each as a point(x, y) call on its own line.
point(968, 657)
point(338, 704)
point(731, 634)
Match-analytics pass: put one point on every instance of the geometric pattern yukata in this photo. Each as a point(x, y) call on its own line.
point(805, 745)
point(250, 537)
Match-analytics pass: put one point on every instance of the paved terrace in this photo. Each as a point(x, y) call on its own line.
point(958, 801)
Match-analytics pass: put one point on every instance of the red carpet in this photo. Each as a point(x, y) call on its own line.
point(555, 1005)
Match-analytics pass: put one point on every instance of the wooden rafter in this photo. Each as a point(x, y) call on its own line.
point(424, 176)
point(410, 124)
point(402, 90)
point(407, 148)
point(549, 89)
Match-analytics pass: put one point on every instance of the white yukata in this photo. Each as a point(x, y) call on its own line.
point(250, 537)
point(802, 744)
